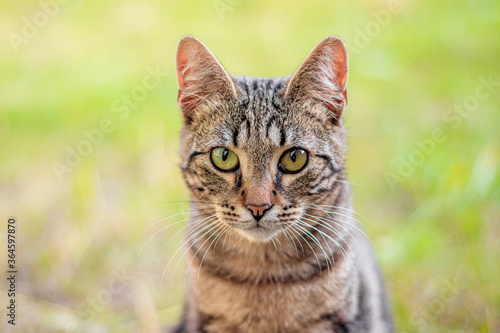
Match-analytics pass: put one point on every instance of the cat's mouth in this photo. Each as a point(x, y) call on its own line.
point(258, 231)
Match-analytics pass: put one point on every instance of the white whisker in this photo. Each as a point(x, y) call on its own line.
point(317, 242)
point(204, 224)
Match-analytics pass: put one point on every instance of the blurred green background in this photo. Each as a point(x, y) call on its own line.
point(424, 144)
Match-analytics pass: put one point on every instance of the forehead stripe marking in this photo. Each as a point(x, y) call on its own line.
point(248, 128)
point(235, 136)
point(269, 124)
point(283, 136)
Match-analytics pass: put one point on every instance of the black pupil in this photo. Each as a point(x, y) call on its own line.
point(225, 155)
point(293, 157)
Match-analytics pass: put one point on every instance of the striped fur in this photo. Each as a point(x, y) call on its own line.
point(305, 266)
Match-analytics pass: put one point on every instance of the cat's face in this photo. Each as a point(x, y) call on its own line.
point(259, 152)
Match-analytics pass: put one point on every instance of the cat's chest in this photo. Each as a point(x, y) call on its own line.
point(272, 307)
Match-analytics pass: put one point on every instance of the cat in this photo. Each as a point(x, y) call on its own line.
point(273, 243)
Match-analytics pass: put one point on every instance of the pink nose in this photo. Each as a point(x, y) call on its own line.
point(258, 211)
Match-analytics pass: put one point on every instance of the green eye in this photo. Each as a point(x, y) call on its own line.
point(224, 159)
point(293, 160)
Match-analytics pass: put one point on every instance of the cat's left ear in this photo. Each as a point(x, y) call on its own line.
point(322, 78)
point(201, 78)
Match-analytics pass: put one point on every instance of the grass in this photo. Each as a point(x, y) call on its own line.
point(435, 228)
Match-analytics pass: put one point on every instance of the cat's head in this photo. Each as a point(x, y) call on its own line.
point(259, 152)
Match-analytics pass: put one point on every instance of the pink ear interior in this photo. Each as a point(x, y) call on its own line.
point(339, 61)
point(186, 50)
point(181, 66)
point(337, 56)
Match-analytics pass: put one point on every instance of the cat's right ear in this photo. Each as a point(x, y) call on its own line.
point(201, 78)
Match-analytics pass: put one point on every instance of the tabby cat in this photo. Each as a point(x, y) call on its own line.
point(273, 243)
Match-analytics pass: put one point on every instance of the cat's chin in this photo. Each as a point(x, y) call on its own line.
point(258, 234)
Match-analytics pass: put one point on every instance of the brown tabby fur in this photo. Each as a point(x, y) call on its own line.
point(305, 266)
